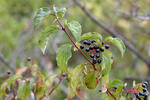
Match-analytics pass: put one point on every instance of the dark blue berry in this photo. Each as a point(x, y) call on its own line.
point(141, 93)
point(97, 55)
point(144, 90)
point(91, 47)
point(102, 49)
point(92, 55)
point(87, 49)
point(93, 41)
point(146, 83)
point(97, 50)
point(96, 47)
point(138, 97)
point(29, 59)
point(81, 47)
point(144, 86)
point(99, 61)
point(115, 88)
point(85, 42)
point(88, 42)
point(94, 60)
point(107, 46)
point(8, 72)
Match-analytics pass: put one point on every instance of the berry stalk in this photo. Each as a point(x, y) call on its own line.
point(64, 29)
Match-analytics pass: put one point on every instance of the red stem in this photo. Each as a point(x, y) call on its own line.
point(64, 29)
point(111, 94)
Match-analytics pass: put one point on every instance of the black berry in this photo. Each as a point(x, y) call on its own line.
point(93, 41)
point(141, 93)
point(97, 50)
point(115, 88)
point(8, 72)
point(91, 47)
point(97, 55)
point(138, 97)
point(85, 42)
point(94, 60)
point(88, 42)
point(102, 43)
point(64, 74)
point(95, 47)
point(87, 49)
point(29, 59)
point(92, 55)
point(102, 49)
point(144, 86)
point(99, 61)
point(81, 47)
point(144, 90)
point(107, 46)
point(146, 83)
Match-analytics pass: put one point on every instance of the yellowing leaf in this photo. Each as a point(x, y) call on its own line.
point(91, 79)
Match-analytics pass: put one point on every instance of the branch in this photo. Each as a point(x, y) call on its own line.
point(64, 29)
point(6, 62)
point(112, 32)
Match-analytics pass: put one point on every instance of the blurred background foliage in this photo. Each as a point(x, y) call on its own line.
point(17, 36)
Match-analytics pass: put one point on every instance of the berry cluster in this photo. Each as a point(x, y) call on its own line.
point(143, 93)
point(94, 50)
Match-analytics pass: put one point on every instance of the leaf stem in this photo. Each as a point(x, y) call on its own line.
point(64, 29)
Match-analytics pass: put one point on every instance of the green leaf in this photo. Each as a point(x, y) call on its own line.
point(91, 35)
point(119, 84)
point(75, 29)
point(25, 88)
point(76, 77)
point(115, 83)
point(91, 79)
point(12, 80)
point(3, 89)
point(21, 89)
point(44, 37)
point(62, 56)
point(40, 15)
point(106, 62)
point(117, 42)
point(71, 93)
point(60, 12)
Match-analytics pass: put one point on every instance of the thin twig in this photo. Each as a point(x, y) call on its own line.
point(6, 62)
point(64, 29)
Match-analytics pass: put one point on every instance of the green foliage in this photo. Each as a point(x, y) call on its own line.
point(117, 42)
point(40, 15)
point(24, 89)
point(106, 63)
point(62, 56)
point(115, 83)
point(75, 29)
point(80, 76)
point(44, 37)
point(12, 80)
point(91, 79)
point(91, 35)
point(76, 77)
point(60, 12)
